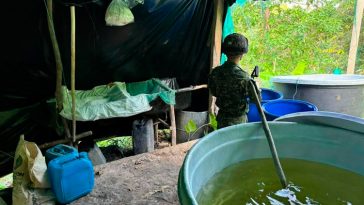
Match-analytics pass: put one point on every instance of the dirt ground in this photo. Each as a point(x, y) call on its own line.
point(143, 179)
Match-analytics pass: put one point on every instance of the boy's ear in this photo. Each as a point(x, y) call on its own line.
point(246, 48)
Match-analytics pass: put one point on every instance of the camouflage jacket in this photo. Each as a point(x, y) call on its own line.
point(230, 85)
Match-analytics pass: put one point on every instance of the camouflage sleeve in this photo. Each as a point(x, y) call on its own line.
point(251, 93)
point(244, 82)
point(212, 84)
point(247, 89)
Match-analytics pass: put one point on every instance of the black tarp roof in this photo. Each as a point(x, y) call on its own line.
point(169, 38)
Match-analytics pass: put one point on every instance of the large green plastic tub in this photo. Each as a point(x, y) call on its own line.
point(339, 146)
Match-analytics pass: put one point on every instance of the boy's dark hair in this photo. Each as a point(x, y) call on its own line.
point(235, 44)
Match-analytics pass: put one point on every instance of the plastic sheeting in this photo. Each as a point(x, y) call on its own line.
point(228, 28)
point(116, 100)
point(119, 14)
point(167, 39)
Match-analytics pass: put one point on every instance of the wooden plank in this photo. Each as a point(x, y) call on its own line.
point(216, 31)
point(355, 36)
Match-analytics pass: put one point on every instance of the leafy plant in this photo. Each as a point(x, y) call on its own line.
point(125, 142)
point(190, 127)
point(212, 121)
point(301, 37)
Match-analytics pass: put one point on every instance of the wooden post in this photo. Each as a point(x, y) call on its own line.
point(156, 139)
point(73, 71)
point(355, 36)
point(216, 31)
point(57, 55)
point(59, 66)
point(173, 125)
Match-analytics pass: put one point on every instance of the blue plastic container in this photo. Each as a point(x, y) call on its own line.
point(267, 95)
point(71, 177)
point(59, 150)
point(278, 108)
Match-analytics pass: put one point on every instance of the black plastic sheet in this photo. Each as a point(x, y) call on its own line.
point(169, 39)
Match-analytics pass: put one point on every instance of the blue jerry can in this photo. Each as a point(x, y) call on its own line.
point(71, 177)
point(59, 150)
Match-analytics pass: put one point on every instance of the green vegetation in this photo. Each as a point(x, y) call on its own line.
point(125, 142)
point(191, 126)
point(288, 39)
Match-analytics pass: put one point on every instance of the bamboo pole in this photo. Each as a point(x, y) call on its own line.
point(59, 65)
point(73, 71)
point(355, 36)
point(216, 31)
point(57, 55)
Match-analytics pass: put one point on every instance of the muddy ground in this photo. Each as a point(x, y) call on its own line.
point(149, 178)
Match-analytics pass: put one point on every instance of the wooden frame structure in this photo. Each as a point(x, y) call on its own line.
point(355, 36)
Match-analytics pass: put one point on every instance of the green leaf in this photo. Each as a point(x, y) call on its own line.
point(212, 121)
point(190, 127)
point(300, 68)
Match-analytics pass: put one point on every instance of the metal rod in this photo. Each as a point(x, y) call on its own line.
point(73, 70)
point(268, 134)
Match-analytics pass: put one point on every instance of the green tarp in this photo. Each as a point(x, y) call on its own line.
point(116, 100)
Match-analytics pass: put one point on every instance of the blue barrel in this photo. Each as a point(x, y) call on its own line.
point(267, 95)
point(278, 108)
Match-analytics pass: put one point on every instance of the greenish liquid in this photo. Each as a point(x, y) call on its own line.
point(255, 182)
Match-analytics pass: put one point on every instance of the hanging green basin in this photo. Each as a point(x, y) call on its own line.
point(339, 146)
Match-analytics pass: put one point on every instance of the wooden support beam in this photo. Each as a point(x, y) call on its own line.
point(59, 65)
point(191, 88)
point(57, 55)
point(63, 141)
point(355, 36)
point(73, 70)
point(163, 122)
point(216, 31)
point(156, 139)
point(173, 125)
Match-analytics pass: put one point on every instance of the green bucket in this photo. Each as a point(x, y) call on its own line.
point(339, 146)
